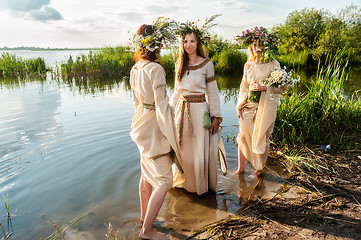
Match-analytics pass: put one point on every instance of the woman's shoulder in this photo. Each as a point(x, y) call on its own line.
point(154, 66)
point(275, 63)
point(248, 65)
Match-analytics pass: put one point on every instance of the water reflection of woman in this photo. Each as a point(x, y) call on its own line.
point(249, 191)
point(153, 128)
point(256, 116)
point(199, 145)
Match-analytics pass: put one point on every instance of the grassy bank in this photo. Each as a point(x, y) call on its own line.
point(14, 66)
point(323, 114)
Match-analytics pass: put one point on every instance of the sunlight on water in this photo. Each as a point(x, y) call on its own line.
point(65, 149)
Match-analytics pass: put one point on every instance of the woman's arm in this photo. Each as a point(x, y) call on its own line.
point(213, 98)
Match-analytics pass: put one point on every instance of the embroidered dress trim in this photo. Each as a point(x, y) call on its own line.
point(160, 85)
point(210, 79)
point(202, 64)
point(148, 106)
point(186, 99)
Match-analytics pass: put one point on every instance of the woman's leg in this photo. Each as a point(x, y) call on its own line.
point(241, 162)
point(145, 190)
point(155, 202)
point(257, 173)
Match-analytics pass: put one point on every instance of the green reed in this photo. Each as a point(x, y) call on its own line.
point(105, 62)
point(14, 66)
point(229, 61)
point(324, 113)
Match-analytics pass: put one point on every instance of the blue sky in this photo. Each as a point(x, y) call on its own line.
point(99, 23)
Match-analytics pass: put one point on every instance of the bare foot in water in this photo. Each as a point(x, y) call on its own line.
point(256, 174)
point(157, 220)
point(153, 235)
point(238, 171)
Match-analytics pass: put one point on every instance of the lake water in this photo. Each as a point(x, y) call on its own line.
point(65, 149)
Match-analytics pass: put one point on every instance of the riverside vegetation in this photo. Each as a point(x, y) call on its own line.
point(317, 113)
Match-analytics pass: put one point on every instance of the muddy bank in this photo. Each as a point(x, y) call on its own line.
point(316, 201)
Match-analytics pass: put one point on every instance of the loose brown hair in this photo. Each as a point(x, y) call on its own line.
point(146, 30)
point(183, 60)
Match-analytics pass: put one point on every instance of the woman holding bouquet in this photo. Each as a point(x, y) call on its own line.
point(199, 142)
point(257, 103)
point(153, 128)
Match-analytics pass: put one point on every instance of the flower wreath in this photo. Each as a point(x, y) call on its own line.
point(201, 32)
point(268, 40)
point(164, 32)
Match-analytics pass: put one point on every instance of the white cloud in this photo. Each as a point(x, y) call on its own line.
point(46, 13)
point(93, 23)
point(37, 10)
point(23, 5)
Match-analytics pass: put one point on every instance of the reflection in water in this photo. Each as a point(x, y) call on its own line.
point(249, 191)
point(28, 125)
point(56, 163)
point(95, 85)
point(185, 212)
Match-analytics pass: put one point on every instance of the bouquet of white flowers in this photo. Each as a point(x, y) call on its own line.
point(278, 78)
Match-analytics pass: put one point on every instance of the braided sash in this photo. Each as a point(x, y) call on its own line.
point(186, 99)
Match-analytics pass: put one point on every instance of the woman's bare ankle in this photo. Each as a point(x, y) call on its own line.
point(152, 234)
point(257, 173)
point(238, 171)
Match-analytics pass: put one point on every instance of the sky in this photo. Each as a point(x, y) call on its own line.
point(102, 23)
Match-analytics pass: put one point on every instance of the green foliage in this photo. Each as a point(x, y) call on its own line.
point(295, 60)
point(168, 62)
point(322, 114)
point(13, 66)
point(226, 57)
point(319, 33)
point(301, 29)
point(106, 62)
point(36, 65)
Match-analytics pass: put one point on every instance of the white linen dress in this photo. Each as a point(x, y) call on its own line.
point(153, 127)
point(199, 148)
point(258, 118)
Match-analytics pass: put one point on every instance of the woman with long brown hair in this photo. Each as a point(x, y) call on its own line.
point(197, 119)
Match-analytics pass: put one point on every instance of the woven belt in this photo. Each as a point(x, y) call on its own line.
point(148, 106)
point(186, 99)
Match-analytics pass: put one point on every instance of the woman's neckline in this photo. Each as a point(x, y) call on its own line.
point(203, 59)
point(199, 65)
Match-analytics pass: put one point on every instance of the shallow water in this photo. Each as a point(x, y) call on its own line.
point(65, 149)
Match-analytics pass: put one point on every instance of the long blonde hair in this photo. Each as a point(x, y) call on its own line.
point(183, 60)
point(250, 54)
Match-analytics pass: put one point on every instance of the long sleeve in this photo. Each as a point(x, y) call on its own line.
point(244, 88)
point(175, 95)
point(212, 92)
point(164, 112)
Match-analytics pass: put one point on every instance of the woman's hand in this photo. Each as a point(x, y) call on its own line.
point(239, 113)
point(215, 126)
point(256, 87)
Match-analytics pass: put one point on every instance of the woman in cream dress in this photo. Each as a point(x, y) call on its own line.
point(256, 119)
point(199, 145)
point(153, 130)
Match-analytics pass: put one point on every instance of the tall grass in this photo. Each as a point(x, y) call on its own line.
point(106, 62)
point(13, 66)
point(324, 113)
point(229, 61)
point(296, 61)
